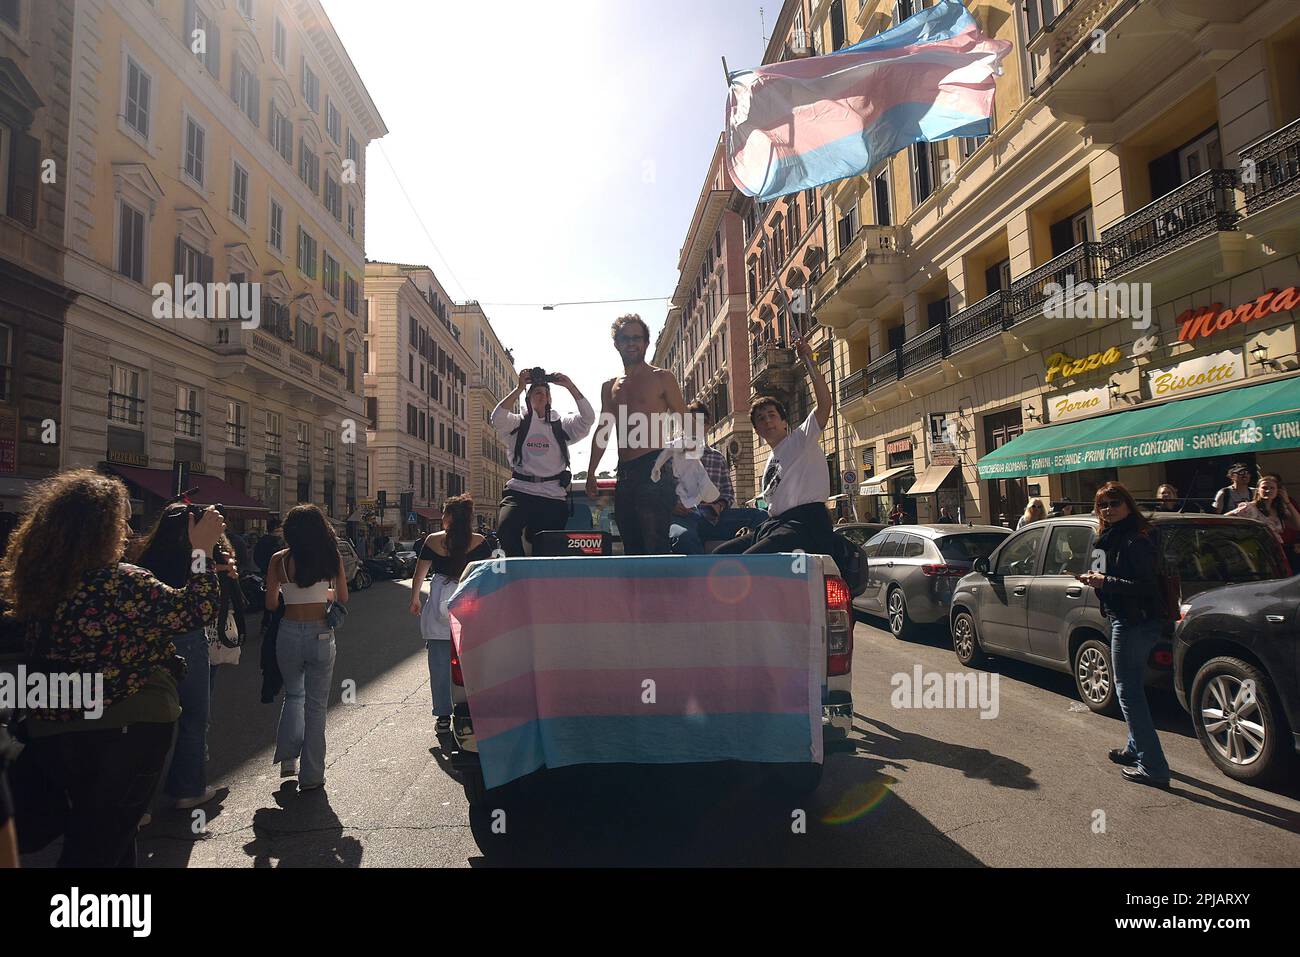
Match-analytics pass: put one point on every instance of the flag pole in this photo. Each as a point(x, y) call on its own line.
point(726, 72)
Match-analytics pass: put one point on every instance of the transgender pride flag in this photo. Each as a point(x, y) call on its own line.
point(556, 655)
point(803, 123)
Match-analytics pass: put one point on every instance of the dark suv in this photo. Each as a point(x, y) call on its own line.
point(1237, 671)
point(1024, 602)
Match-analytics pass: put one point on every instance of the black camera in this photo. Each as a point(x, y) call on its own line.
point(537, 376)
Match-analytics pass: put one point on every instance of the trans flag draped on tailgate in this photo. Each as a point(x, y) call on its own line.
point(803, 123)
point(656, 660)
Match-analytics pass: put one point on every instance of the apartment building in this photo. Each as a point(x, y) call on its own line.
point(416, 381)
point(490, 381)
point(703, 340)
point(1147, 148)
point(35, 56)
point(215, 233)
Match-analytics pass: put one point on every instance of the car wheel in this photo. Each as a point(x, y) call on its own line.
point(1094, 677)
point(965, 641)
point(900, 623)
point(1238, 721)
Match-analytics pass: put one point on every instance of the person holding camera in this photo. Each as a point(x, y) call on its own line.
point(535, 499)
point(166, 551)
point(85, 611)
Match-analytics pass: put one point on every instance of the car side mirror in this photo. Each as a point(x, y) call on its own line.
point(981, 565)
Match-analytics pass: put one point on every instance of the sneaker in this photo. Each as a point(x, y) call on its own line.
point(1138, 776)
point(442, 726)
point(1123, 756)
point(184, 804)
point(289, 768)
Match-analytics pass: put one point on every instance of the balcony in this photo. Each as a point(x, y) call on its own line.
point(978, 322)
point(772, 368)
point(884, 371)
point(923, 351)
point(266, 361)
point(866, 272)
point(1274, 162)
point(1027, 296)
point(853, 386)
point(1201, 207)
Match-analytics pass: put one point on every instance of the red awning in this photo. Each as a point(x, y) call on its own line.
point(210, 489)
point(429, 513)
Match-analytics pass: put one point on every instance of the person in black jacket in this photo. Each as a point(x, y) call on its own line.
point(268, 545)
point(1132, 597)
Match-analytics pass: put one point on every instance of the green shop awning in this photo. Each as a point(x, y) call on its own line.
point(1256, 418)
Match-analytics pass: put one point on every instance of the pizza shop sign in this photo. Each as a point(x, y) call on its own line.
point(1203, 323)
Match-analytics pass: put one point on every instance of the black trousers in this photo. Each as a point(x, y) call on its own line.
point(96, 785)
point(644, 509)
point(521, 512)
point(804, 528)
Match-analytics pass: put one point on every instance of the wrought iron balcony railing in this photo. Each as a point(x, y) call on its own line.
point(125, 408)
point(187, 422)
point(236, 434)
point(1086, 262)
point(1270, 168)
point(884, 370)
point(924, 350)
point(1200, 206)
point(978, 321)
point(853, 386)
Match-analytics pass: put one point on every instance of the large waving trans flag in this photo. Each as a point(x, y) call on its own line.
point(804, 123)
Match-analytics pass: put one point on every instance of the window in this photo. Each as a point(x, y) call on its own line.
point(246, 92)
point(308, 167)
point(239, 193)
point(310, 87)
point(1020, 555)
point(884, 209)
point(333, 122)
point(354, 151)
point(236, 424)
point(306, 253)
point(333, 197)
point(329, 275)
point(846, 230)
point(281, 133)
point(352, 221)
point(273, 433)
point(275, 227)
point(921, 157)
point(125, 395)
point(187, 411)
point(6, 363)
point(130, 242)
point(135, 110)
point(837, 24)
point(278, 43)
point(904, 9)
point(209, 53)
point(351, 294)
point(913, 547)
point(304, 441)
point(967, 145)
point(195, 149)
point(422, 424)
point(1069, 551)
point(191, 264)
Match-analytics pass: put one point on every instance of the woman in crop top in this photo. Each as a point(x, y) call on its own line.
point(308, 574)
point(446, 553)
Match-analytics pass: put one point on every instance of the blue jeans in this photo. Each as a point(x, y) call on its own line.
point(440, 675)
point(690, 532)
point(307, 664)
point(1131, 643)
point(188, 776)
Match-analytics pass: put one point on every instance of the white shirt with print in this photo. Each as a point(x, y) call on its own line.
point(541, 453)
point(796, 473)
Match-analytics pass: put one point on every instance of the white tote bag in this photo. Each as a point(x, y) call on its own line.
point(435, 620)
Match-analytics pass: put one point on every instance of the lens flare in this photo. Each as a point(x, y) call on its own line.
point(730, 582)
point(859, 800)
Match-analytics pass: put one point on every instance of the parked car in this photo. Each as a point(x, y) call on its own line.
point(1024, 602)
point(911, 570)
point(357, 574)
point(1237, 671)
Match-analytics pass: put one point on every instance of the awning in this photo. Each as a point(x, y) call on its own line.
point(210, 490)
point(431, 514)
point(878, 481)
point(930, 480)
point(1257, 418)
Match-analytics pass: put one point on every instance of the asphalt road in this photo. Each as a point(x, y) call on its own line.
point(1030, 787)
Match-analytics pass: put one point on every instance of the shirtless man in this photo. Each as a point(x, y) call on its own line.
point(638, 401)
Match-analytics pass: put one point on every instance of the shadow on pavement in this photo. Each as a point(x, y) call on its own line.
point(301, 831)
point(1237, 803)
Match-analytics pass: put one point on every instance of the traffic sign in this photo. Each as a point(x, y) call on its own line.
point(410, 518)
point(850, 477)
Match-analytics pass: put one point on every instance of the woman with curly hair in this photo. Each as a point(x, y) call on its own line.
point(86, 612)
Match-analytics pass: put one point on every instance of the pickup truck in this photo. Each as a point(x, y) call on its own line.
point(648, 660)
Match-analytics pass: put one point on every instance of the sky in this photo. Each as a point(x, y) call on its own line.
point(554, 152)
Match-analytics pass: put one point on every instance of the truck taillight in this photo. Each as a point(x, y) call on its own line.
point(457, 678)
point(839, 627)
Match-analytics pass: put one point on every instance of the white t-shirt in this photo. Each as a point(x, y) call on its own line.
point(542, 454)
point(796, 474)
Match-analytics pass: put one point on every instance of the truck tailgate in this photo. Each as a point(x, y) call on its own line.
point(650, 660)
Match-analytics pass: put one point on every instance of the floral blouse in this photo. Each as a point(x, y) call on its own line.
point(120, 622)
